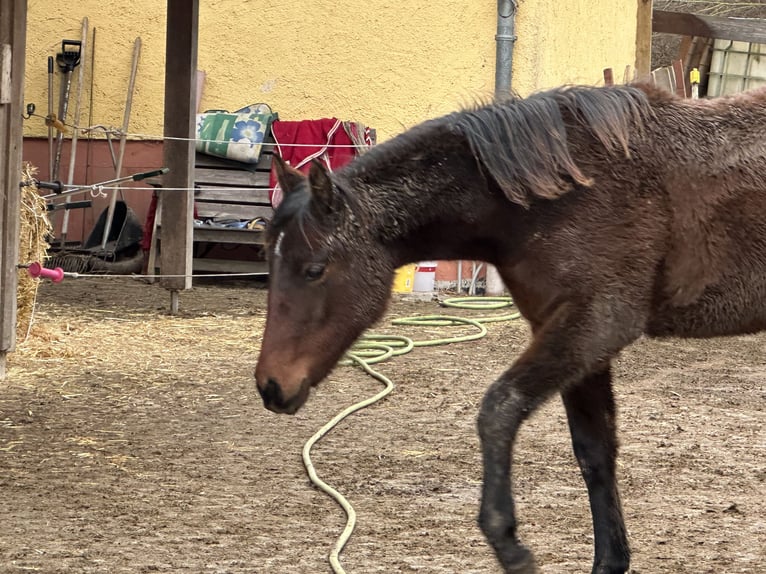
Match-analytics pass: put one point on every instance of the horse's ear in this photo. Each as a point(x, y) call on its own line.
point(322, 191)
point(288, 177)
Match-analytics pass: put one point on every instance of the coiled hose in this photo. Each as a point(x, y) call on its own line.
point(371, 349)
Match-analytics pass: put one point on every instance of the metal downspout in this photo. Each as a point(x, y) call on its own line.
point(505, 40)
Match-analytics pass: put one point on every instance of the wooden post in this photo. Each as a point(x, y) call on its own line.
point(13, 33)
point(180, 119)
point(644, 38)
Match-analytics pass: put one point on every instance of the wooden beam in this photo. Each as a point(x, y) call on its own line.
point(13, 31)
point(739, 29)
point(180, 121)
point(643, 38)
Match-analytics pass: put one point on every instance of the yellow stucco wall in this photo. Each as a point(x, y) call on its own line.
point(560, 45)
point(386, 63)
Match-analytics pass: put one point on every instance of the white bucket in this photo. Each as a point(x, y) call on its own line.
point(425, 275)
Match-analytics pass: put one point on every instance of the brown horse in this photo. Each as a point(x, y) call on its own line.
point(609, 213)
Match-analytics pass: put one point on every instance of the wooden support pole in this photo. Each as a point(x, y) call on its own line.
point(174, 302)
point(180, 118)
point(644, 38)
point(13, 30)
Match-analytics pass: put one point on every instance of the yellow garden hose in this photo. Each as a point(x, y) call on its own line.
point(371, 349)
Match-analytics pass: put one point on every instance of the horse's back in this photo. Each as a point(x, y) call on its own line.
point(672, 239)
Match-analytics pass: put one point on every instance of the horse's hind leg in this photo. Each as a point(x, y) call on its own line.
point(591, 413)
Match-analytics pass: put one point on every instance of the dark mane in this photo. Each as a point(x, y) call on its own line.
point(524, 141)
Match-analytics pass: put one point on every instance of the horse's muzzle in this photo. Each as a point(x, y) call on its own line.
point(274, 399)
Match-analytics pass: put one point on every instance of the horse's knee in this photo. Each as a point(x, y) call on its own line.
point(486, 422)
point(502, 409)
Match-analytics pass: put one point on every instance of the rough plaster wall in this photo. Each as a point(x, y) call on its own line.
point(386, 63)
point(573, 45)
point(117, 24)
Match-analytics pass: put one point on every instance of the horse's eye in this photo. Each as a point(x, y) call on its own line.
point(314, 271)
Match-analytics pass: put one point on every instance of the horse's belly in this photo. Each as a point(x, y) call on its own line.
point(734, 307)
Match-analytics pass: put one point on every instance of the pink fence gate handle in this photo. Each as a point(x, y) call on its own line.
point(36, 270)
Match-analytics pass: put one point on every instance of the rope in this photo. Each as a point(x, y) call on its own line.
point(76, 275)
point(163, 189)
point(371, 349)
point(112, 131)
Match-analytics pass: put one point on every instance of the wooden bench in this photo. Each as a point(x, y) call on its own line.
point(225, 191)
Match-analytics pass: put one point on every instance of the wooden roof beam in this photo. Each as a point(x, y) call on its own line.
point(724, 28)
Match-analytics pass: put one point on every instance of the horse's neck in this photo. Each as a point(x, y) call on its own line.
point(426, 206)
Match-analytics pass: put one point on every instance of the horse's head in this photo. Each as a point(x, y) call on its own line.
point(328, 281)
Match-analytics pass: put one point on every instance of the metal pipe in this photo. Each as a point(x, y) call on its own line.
point(505, 40)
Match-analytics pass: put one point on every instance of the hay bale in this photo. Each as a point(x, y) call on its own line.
point(34, 230)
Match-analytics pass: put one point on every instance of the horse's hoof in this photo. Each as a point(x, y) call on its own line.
point(519, 560)
point(611, 570)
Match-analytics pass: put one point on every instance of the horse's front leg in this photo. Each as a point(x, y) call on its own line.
point(591, 413)
point(504, 408)
point(537, 375)
point(574, 342)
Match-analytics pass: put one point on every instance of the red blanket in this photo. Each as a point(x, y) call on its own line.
point(317, 139)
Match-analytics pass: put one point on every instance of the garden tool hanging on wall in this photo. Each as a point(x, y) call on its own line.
point(68, 59)
point(51, 149)
point(76, 122)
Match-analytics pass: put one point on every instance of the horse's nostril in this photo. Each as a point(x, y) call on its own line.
point(271, 393)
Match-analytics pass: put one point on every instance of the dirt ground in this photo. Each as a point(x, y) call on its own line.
point(132, 441)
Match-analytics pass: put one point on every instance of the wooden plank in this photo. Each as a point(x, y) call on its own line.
point(664, 78)
point(203, 264)
point(680, 77)
point(684, 50)
point(6, 52)
point(254, 196)
point(742, 29)
point(229, 235)
point(13, 26)
point(180, 118)
point(224, 235)
point(264, 162)
point(153, 243)
point(233, 178)
point(232, 211)
point(211, 265)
